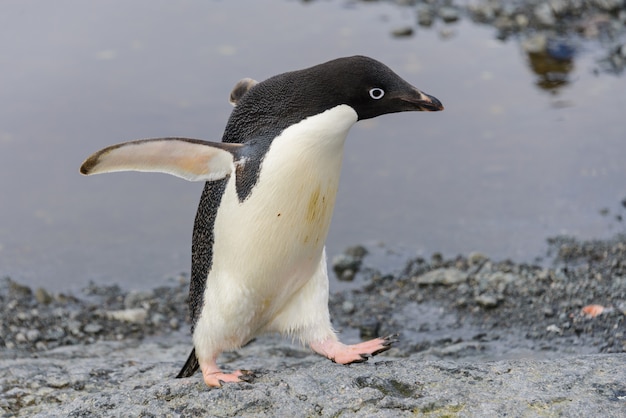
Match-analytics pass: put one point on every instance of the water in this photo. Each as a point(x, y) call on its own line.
point(507, 164)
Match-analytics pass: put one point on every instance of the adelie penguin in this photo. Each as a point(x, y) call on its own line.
point(258, 259)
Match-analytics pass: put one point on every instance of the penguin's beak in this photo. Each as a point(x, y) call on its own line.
point(421, 101)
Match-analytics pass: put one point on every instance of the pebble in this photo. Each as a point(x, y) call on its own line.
point(42, 296)
point(346, 263)
point(403, 32)
point(559, 7)
point(555, 329)
point(135, 315)
point(449, 14)
point(157, 318)
point(475, 258)
point(19, 291)
point(457, 349)
point(535, 44)
point(521, 20)
point(57, 381)
point(543, 13)
point(92, 328)
point(487, 301)
point(425, 16)
point(33, 335)
point(356, 251)
point(482, 11)
point(443, 276)
point(136, 298)
point(348, 307)
point(347, 275)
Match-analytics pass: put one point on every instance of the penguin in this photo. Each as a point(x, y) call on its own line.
point(258, 243)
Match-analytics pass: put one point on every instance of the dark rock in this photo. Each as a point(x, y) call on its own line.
point(42, 296)
point(404, 32)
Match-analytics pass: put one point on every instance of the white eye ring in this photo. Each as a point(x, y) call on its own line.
point(377, 93)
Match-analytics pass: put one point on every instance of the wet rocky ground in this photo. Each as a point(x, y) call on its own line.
point(477, 337)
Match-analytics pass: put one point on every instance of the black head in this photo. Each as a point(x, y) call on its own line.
point(368, 86)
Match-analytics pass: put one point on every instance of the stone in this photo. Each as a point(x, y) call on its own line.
point(92, 328)
point(449, 14)
point(403, 32)
point(442, 276)
point(135, 315)
point(42, 296)
point(487, 301)
point(475, 258)
point(543, 14)
point(425, 16)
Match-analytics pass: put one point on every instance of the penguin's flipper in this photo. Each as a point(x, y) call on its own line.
point(190, 159)
point(240, 89)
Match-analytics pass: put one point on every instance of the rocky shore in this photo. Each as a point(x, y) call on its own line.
point(552, 33)
point(477, 337)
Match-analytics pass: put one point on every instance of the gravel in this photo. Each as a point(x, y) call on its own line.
point(477, 337)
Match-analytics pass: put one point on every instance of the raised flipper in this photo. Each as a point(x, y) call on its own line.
point(190, 159)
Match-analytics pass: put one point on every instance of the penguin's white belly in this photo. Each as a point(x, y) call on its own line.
point(268, 247)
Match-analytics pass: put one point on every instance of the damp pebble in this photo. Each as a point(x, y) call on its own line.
point(554, 329)
point(92, 328)
point(403, 32)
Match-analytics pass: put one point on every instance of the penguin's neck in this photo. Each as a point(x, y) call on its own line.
point(282, 225)
point(311, 148)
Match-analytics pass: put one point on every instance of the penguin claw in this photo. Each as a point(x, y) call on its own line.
point(388, 341)
point(364, 358)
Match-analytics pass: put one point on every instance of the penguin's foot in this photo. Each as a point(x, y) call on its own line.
point(214, 377)
point(356, 353)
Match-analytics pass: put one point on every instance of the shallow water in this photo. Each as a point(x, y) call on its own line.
point(507, 164)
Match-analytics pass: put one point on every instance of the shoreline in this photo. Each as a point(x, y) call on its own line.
point(476, 337)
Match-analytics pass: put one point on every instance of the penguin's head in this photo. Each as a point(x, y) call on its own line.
point(368, 86)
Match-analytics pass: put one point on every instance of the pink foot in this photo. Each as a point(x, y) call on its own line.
point(356, 353)
point(214, 377)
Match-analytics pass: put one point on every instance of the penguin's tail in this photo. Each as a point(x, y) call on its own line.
point(190, 367)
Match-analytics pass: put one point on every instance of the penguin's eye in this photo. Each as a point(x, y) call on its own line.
point(377, 93)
